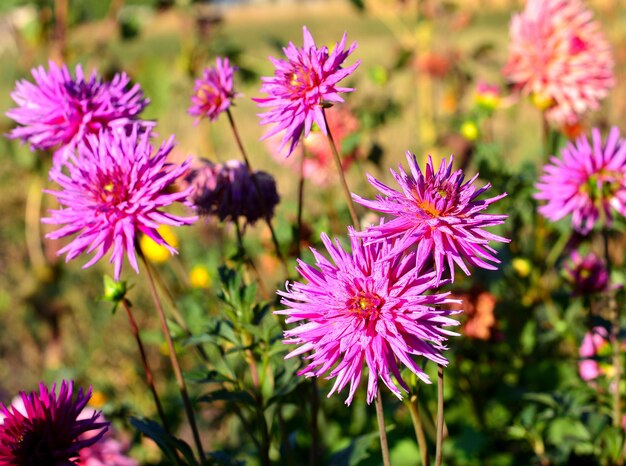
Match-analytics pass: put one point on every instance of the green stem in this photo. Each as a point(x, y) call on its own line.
point(615, 327)
point(380, 417)
point(174, 359)
point(439, 451)
point(413, 405)
point(316, 447)
point(300, 201)
point(342, 177)
point(266, 213)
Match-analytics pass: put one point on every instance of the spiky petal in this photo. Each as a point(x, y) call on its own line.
point(359, 309)
point(113, 190)
point(301, 85)
point(213, 94)
point(587, 182)
point(439, 213)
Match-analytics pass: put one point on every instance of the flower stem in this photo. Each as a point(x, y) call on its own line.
point(266, 213)
point(615, 328)
point(380, 417)
point(174, 359)
point(342, 177)
point(146, 367)
point(414, 409)
point(300, 201)
point(316, 447)
point(438, 451)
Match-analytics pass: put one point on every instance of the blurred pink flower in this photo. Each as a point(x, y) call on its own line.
point(319, 166)
point(365, 309)
point(559, 55)
point(112, 190)
point(58, 111)
point(302, 84)
point(213, 93)
point(588, 181)
point(109, 451)
point(594, 347)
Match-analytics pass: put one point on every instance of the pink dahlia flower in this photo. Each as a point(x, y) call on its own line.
point(112, 190)
point(595, 351)
point(214, 93)
point(559, 55)
point(588, 182)
point(46, 429)
point(109, 451)
point(58, 111)
point(364, 309)
point(301, 85)
point(438, 213)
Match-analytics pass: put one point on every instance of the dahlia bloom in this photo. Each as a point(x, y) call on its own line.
point(113, 190)
point(46, 429)
point(587, 274)
point(301, 86)
point(559, 55)
point(319, 166)
point(364, 309)
point(588, 182)
point(109, 451)
point(213, 94)
point(58, 111)
point(439, 214)
point(228, 191)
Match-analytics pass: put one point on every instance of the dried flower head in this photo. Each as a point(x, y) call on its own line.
point(364, 309)
point(439, 214)
point(587, 274)
point(112, 190)
point(58, 111)
point(213, 94)
point(559, 55)
point(46, 429)
point(228, 191)
point(302, 84)
point(588, 181)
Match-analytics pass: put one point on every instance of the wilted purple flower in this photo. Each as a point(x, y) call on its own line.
point(587, 274)
point(213, 93)
point(46, 429)
point(228, 191)
point(588, 182)
point(112, 191)
point(301, 85)
point(58, 110)
point(364, 309)
point(439, 213)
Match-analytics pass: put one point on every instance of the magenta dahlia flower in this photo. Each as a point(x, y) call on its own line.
point(112, 190)
point(439, 213)
point(364, 309)
point(588, 182)
point(46, 429)
point(559, 55)
point(214, 93)
point(301, 85)
point(58, 110)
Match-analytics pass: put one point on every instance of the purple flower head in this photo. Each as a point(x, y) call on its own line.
point(439, 213)
point(214, 93)
point(588, 181)
point(587, 274)
point(113, 189)
point(59, 110)
point(46, 429)
point(364, 309)
point(301, 85)
point(228, 191)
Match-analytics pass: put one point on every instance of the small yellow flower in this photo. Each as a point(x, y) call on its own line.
point(541, 101)
point(488, 100)
point(199, 277)
point(98, 399)
point(521, 266)
point(469, 130)
point(157, 253)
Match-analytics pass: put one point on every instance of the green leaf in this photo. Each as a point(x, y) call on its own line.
point(355, 452)
point(233, 396)
point(168, 444)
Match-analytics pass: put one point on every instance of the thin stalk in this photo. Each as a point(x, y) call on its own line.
point(300, 201)
point(342, 177)
point(33, 226)
point(316, 447)
point(380, 417)
point(146, 366)
point(438, 451)
point(266, 214)
point(414, 409)
point(248, 259)
point(615, 327)
point(174, 359)
point(265, 435)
